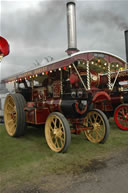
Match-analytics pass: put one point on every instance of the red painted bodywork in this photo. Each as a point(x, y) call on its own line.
point(37, 112)
point(36, 115)
point(101, 96)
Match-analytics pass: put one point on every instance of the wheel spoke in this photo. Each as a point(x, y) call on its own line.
point(55, 121)
point(89, 120)
point(95, 118)
point(97, 133)
point(10, 115)
point(121, 116)
point(57, 143)
point(12, 128)
point(11, 105)
point(51, 128)
point(55, 132)
point(9, 121)
point(100, 122)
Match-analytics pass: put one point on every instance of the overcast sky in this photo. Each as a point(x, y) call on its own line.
point(37, 29)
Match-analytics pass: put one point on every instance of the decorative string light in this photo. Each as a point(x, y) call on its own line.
point(59, 69)
point(42, 73)
point(70, 66)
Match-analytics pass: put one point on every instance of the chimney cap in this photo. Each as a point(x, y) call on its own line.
point(70, 2)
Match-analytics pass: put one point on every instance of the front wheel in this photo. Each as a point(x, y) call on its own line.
point(98, 126)
point(57, 132)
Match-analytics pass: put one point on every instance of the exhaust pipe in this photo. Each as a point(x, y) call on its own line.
point(71, 28)
point(126, 44)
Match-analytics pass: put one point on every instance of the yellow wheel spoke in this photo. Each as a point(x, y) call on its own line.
point(55, 133)
point(10, 115)
point(10, 105)
point(62, 132)
point(12, 128)
point(62, 142)
point(11, 101)
point(95, 120)
point(54, 121)
point(56, 143)
point(9, 121)
point(100, 121)
point(98, 134)
point(89, 120)
point(51, 128)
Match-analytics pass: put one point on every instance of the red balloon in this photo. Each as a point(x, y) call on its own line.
point(4, 46)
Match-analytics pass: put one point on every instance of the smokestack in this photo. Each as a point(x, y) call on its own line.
point(126, 44)
point(71, 28)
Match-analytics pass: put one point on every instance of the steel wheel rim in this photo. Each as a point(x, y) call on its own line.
point(97, 133)
point(10, 115)
point(55, 133)
point(121, 117)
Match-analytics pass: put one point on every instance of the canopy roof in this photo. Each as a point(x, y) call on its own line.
point(67, 61)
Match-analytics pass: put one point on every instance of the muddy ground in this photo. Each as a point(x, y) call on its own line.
point(106, 175)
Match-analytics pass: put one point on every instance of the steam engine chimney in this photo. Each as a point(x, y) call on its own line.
point(71, 27)
point(126, 44)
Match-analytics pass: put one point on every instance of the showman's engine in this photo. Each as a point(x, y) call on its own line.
point(70, 95)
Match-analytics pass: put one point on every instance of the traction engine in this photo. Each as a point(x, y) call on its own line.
point(68, 96)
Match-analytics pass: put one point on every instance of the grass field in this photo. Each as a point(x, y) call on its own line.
point(28, 159)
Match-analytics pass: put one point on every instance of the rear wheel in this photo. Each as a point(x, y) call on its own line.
point(121, 116)
point(98, 126)
point(57, 132)
point(14, 115)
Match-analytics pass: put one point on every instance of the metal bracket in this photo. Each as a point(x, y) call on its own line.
point(115, 79)
point(79, 76)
